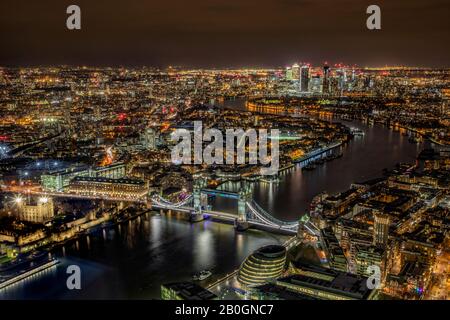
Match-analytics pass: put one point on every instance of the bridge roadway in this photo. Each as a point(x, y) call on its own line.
point(317, 152)
point(229, 217)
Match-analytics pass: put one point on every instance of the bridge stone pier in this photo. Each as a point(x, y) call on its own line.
point(244, 195)
point(200, 199)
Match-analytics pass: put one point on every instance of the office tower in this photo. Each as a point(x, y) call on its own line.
point(289, 73)
point(296, 72)
point(333, 86)
point(326, 79)
point(380, 228)
point(316, 84)
point(342, 80)
point(304, 80)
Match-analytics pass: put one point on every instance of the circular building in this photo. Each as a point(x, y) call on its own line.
point(262, 265)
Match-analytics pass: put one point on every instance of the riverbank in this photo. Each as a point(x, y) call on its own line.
point(133, 259)
point(18, 273)
point(387, 123)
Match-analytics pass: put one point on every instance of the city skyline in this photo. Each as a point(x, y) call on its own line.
point(225, 34)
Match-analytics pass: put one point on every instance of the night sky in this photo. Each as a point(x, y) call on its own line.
point(224, 33)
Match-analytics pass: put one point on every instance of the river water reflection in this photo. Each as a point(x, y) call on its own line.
point(364, 158)
point(132, 260)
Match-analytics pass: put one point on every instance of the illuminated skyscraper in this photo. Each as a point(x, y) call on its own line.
point(316, 84)
point(295, 72)
point(304, 80)
point(289, 73)
point(342, 79)
point(326, 79)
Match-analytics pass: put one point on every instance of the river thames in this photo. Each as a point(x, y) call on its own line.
point(363, 159)
point(132, 260)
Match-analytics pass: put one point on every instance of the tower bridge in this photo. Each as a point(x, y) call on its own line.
point(250, 213)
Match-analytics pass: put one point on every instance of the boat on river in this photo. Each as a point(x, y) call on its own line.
point(202, 275)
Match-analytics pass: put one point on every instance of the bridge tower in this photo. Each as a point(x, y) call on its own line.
point(301, 231)
point(244, 195)
point(200, 199)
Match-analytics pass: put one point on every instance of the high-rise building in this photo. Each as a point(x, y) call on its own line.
point(296, 72)
point(289, 73)
point(304, 80)
point(333, 86)
point(316, 84)
point(342, 79)
point(380, 228)
point(326, 79)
